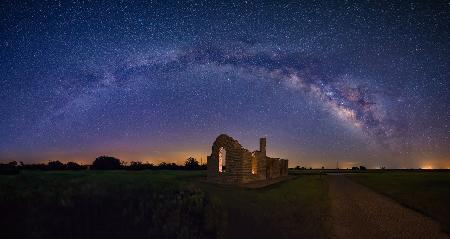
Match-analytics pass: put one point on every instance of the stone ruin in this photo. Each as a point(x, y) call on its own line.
point(230, 163)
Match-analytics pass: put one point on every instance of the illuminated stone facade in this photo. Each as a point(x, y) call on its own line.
point(229, 162)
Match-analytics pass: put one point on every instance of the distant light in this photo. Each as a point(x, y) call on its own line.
point(427, 167)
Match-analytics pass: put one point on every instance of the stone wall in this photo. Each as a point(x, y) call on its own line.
point(239, 163)
point(261, 165)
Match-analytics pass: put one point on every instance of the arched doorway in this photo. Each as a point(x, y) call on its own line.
point(222, 159)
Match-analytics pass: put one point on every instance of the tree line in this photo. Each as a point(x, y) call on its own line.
point(100, 163)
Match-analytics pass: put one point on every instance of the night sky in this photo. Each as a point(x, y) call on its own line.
point(362, 83)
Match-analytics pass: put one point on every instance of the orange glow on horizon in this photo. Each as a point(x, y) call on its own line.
point(427, 167)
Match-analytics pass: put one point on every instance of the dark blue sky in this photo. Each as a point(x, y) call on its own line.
point(359, 82)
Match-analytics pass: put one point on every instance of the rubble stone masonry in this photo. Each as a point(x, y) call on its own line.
point(239, 165)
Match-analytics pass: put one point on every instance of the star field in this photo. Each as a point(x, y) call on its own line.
point(362, 83)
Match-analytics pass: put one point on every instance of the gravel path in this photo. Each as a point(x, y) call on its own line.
point(358, 212)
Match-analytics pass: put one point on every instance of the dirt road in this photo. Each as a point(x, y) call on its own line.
point(358, 212)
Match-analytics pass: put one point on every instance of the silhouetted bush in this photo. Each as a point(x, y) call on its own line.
point(106, 163)
point(135, 166)
point(110, 163)
point(38, 166)
point(203, 166)
point(168, 166)
point(9, 168)
point(362, 168)
point(74, 166)
point(55, 165)
point(355, 168)
point(148, 166)
point(139, 166)
point(299, 168)
point(191, 164)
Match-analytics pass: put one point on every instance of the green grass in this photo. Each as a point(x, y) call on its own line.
point(292, 209)
point(427, 192)
point(103, 204)
point(157, 204)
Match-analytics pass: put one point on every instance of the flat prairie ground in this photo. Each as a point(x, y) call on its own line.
point(180, 204)
point(157, 204)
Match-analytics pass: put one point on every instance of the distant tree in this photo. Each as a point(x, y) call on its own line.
point(191, 164)
point(148, 165)
point(173, 166)
point(38, 166)
point(106, 163)
point(355, 168)
point(55, 165)
point(74, 166)
point(362, 168)
point(297, 167)
point(168, 166)
point(203, 166)
point(162, 165)
point(8, 169)
point(135, 166)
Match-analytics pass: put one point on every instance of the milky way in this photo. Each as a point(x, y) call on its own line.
point(359, 83)
point(347, 101)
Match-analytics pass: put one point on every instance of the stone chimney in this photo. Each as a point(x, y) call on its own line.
point(262, 145)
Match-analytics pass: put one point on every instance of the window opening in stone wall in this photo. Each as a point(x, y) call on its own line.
point(254, 163)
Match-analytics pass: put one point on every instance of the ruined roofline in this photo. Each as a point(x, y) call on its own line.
point(262, 143)
point(225, 137)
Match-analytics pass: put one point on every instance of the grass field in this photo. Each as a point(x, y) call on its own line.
point(157, 204)
point(293, 209)
point(427, 192)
